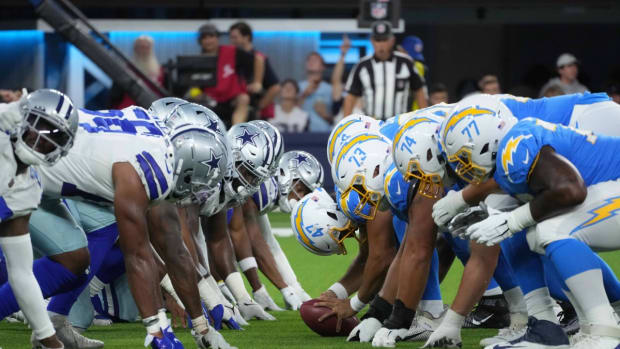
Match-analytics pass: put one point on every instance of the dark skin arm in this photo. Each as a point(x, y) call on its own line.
point(352, 278)
point(418, 251)
point(260, 249)
point(242, 246)
point(556, 183)
point(474, 194)
point(130, 206)
point(219, 244)
point(165, 229)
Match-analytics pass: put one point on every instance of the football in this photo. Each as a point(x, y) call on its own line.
point(310, 314)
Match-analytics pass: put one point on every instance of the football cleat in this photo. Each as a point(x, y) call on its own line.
point(70, 337)
point(568, 318)
point(507, 334)
point(540, 334)
point(491, 312)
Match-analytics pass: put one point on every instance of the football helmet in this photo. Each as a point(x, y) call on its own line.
point(347, 128)
point(201, 160)
point(297, 168)
point(276, 141)
point(162, 107)
point(195, 114)
point(470, 136)
point(49, 121)
point(251, 155)
point(417, 156)
point(360, 167)
point(319, 226)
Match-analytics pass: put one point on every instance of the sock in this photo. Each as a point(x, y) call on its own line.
point(52, 277)
point(100, 242)
point(495, 291)
point(18, 254)
point(526, 265)
point(282, 263)
point(433, 307)
point(540, 305)
point(516, 306)
point(555, 284)
point(213, 285)
point(166, 284)
point(577, 265)
point(580, 314)
point(432, 290)
point(207, 294)
point(236, 286)
point(163, 319)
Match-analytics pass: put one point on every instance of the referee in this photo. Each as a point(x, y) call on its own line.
point(384, 80)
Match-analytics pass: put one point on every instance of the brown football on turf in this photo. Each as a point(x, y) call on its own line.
point(327, 328)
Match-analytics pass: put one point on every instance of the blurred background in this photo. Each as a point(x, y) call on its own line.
point(113, 53)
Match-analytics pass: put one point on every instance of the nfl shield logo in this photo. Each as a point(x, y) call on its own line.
point(378, 10)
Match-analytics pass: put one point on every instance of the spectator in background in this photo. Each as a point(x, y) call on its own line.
point(288, 116)
point(438, 94)
point(230, 92)
point(145, 60)
point(553, 90)
point(489, 84)
point(10, 95)
point(385, 79)
point(568, 71)
point(613, 90)
point(265, 91)
point(316, 95)
point(414, 47)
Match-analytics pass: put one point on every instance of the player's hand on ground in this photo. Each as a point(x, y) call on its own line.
point(386, 337)
point(444, 337)
point(252, 310)
point(211, 340)
point(340, 308)
point(492, 230)
point(262, 297)
point(448, 207)
point(291, 299)
point(365, 331)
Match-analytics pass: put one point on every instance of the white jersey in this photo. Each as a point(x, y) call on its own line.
point(19, 194)
point(266, 198)
point(103, 139)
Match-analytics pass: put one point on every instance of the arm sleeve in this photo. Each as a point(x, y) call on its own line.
point(415, 80)
point(354, 84)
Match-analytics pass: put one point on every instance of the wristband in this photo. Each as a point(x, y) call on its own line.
point(379, 309)
point(520, 218)
point(401, 316)
point(339, 290)
point(357, 304)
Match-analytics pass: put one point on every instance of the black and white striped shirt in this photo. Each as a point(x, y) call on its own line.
point(384, 85)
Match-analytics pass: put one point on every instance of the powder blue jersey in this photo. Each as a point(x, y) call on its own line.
point(397, 192)
point(595, 156)
point(557, 110)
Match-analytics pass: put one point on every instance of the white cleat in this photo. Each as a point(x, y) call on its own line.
point(211, 340)
point(252, 310)
point(70, 337)
point(303, 295)
point(262, 297)
point(422, 327)
point(597, 336)
point(507, 334)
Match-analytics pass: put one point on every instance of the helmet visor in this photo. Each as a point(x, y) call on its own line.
point(466, 168)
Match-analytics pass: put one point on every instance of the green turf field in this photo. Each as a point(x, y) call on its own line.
point(314, 272)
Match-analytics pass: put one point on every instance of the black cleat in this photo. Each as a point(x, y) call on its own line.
point(568, 318)
point(491, 312)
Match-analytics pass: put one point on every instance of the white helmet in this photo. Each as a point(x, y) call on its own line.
point(360, 167)
point(319, 226)
point(416, 152)
point(297, 167)
point(346, 128)
point(251, 155)
point(49, 118)
point(470, 136)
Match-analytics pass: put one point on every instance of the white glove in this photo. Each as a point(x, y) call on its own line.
point(492, 230)
point(444, 337)
point(365, 331)
point(291, 299)
point(211, 340)
point(250, 310)
point(386, 337)
point(459, 224)
point(448, 207)
point(11, 116)
point(262, 297)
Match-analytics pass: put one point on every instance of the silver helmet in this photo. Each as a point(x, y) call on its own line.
point(195, 114)
point(48, 129)
point(297, 168)
point(201, 159)
point(251, 156)
point(162, 107)
point(276, 140)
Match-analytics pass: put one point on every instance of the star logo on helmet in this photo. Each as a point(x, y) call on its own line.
point(247, 137)
point(213, 162)
point(301, 158)
point(213, 126)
